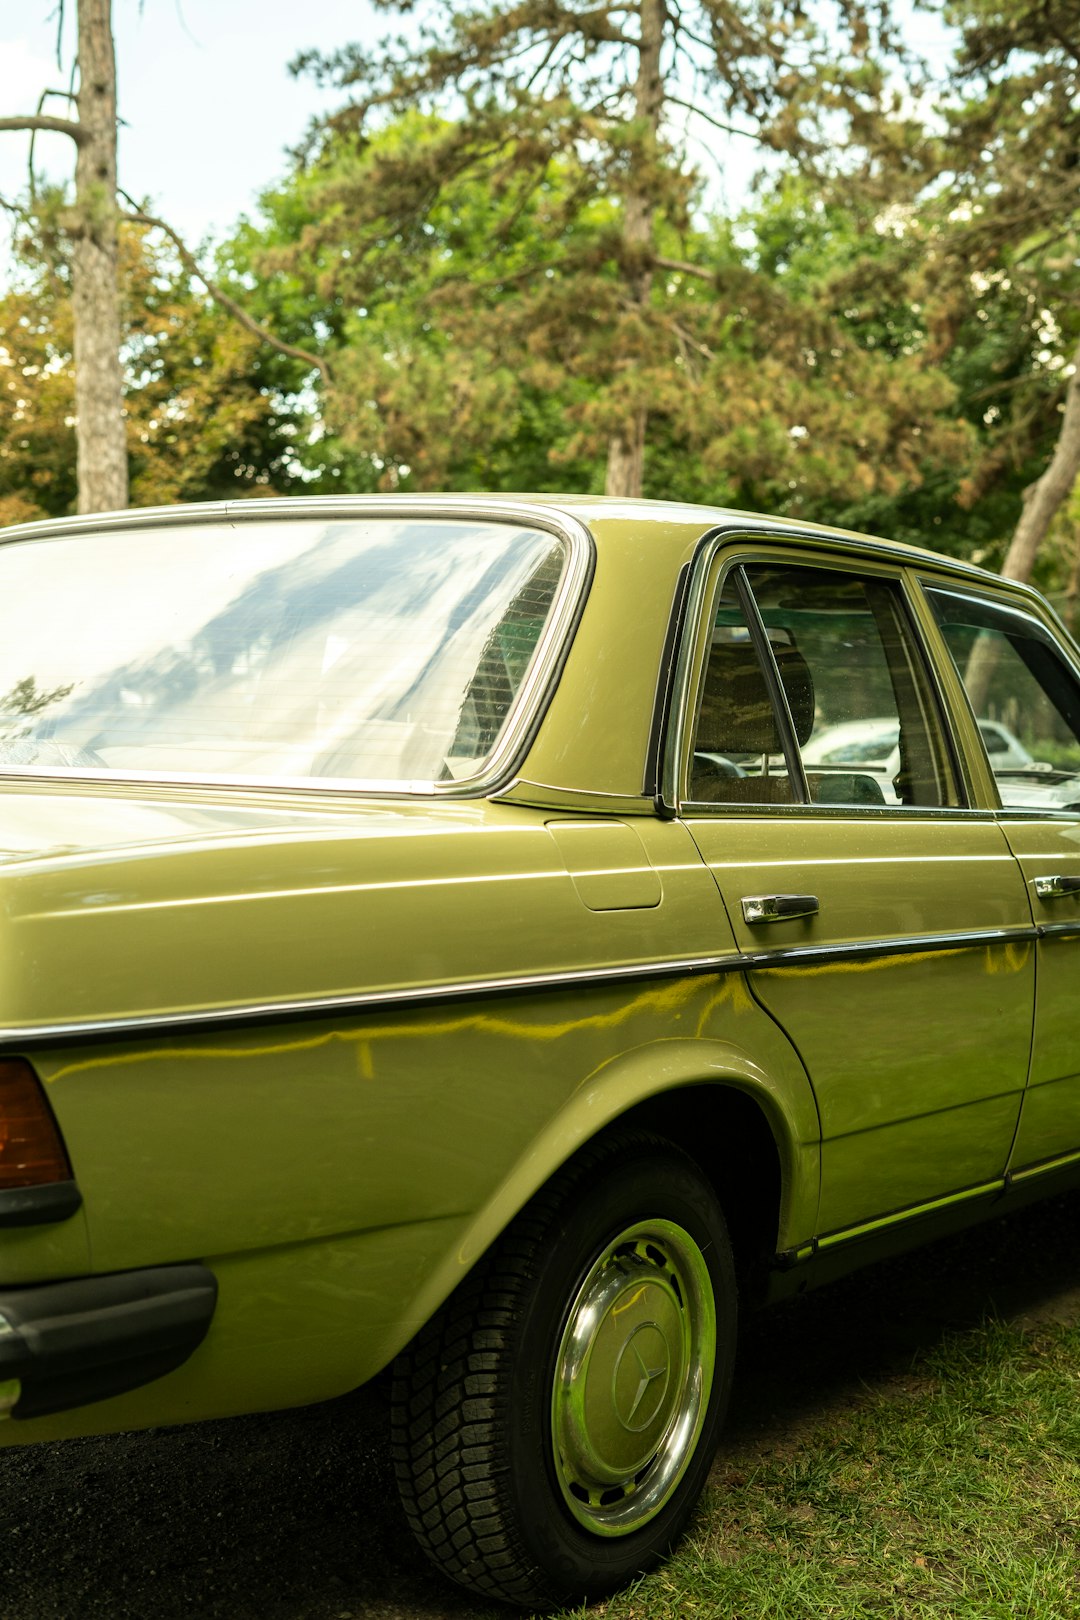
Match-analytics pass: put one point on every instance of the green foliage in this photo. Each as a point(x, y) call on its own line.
point(498, 246)
point(1004, 282)
point(436, 332)
point(37, 431)
point(209, 410)
point(478, 350)
point(25, 700)
point(528, 239)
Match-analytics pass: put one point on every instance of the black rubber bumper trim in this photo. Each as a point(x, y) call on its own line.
point(69, 1343)
point(37, 1206)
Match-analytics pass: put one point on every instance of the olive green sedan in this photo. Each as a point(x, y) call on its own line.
point(434, 932)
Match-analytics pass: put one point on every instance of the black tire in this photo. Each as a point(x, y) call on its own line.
point(541, 1495)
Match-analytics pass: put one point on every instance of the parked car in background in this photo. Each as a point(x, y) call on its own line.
point(438, 932)
point(876, 743)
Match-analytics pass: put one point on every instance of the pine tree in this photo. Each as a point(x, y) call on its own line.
point(602, 87)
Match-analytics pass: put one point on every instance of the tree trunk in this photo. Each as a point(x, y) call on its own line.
point(1072, 589)
point(100, 435)
point(1043, 498)
point(626, 450)
point(626, 459)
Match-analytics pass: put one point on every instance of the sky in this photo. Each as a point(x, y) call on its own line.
point(208, 103)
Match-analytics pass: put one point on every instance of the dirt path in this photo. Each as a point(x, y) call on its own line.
point(294, 1516)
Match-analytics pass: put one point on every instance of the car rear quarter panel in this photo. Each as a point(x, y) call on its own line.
point(341, 1171)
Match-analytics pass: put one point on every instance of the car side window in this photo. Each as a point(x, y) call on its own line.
point(738, 754)
point(814, 690)
point(1024, 695)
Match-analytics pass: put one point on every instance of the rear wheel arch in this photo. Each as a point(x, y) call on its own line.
point(752, 1133)
point(727, 1133)
point(538, 1508)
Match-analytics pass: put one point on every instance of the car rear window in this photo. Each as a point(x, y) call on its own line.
point(381, 652)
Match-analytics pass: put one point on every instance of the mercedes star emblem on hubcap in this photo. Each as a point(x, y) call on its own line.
point(638, 1391)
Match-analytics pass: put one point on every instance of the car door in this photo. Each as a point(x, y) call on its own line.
point(1022, 683)
point(884, 921)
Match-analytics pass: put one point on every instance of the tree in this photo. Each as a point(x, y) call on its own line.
point(940, 355)
point(1014, 203)
point(210, 412)
point(598, 84)
point(91, 225)
point(37, 473)
point(437, 380)
point(101, 451)
point(459, 361)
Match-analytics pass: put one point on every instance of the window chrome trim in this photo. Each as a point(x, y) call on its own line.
point(784, 956)
point(697, 810)
point(530, 701)
point(758, 527)
point(667, 688)
point(1034, 812)
point(1024, 611)
point(774, 686)
point(921, 619)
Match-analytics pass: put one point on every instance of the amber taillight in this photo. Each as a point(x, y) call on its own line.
point(31, 1152)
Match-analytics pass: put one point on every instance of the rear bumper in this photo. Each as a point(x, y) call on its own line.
point(72, 1342)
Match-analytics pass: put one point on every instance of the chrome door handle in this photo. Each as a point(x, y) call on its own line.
point(1050, 888)
point(765, 908)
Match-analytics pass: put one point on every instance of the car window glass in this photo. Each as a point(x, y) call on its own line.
point(384, 651)
point(1025, 697)
point(737, 756)
point(869, 735)
point(860, 706)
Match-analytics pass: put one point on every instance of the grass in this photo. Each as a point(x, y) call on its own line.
point(950, 1490)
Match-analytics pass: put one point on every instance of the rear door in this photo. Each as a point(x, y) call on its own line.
point(885, 921)
point(1024, 691)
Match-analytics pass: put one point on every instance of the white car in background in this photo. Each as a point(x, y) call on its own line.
point(875, 745)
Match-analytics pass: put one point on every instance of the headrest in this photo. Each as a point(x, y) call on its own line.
point(736, 711)
point(799, 688)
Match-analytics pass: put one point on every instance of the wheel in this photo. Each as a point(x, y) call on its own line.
point(553, 1426)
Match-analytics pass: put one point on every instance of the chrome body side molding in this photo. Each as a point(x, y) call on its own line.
point(786, 956)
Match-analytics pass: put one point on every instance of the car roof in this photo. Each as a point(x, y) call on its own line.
point(607, 518)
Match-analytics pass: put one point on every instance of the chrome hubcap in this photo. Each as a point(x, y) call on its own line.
point(633, 1376)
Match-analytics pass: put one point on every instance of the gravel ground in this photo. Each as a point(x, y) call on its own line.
point(294, 1516)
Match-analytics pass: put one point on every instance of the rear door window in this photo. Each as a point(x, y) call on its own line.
point(814, 690)
point(1025, 697)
